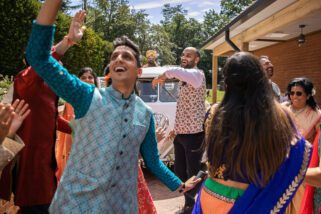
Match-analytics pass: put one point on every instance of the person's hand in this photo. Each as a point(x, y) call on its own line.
point(76, 29)
point(21, 111)
point(171, 135)
point(6, 117)
point(160, 134)
point(191, 183)
point(158, 80)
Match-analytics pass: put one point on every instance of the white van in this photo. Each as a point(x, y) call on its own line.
point(162, 100)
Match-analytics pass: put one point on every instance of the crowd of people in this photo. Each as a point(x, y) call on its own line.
point(256, 145)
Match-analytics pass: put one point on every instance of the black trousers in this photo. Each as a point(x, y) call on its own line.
point(188, 155)
point(37, 209)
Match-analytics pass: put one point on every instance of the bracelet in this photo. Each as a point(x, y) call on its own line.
point(182, 189)
point(70, 42)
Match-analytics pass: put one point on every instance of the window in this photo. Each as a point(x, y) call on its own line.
point(146, 91)
point(169, 91)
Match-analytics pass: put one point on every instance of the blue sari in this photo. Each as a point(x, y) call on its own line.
point(278, 193)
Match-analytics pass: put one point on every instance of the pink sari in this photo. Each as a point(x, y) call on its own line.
point(307, 123)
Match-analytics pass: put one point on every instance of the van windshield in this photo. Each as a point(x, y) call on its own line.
point(168, 92)
point(146, 91)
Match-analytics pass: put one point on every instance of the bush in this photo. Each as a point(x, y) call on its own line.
point(5, 83)
point(15, 26)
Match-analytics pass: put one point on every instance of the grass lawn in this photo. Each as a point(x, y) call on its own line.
point(219, 96)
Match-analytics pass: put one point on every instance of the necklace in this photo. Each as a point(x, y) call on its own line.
point(297, 112)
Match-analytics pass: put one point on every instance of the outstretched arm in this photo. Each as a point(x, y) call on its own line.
point(150, 154)
point(48, 12)
point(65, 85)
point(193, 76)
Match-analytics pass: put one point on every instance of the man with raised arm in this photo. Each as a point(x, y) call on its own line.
point(112, 126)
point(190, 113)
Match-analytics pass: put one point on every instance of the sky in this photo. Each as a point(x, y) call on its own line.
point(196, 8)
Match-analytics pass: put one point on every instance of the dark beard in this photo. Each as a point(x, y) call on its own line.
point(189, 65)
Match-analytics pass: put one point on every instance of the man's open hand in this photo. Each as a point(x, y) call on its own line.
point(76, 29)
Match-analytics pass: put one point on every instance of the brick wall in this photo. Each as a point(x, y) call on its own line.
point(291, 61)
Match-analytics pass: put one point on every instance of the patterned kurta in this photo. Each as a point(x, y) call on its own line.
point(110, 131)
point(190, 109)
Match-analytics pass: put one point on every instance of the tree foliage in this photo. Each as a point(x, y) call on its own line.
point(112, 18)
point(92, 50)
point(15, 26)
point(232, 8)
point(159, 40)
point(108, 19)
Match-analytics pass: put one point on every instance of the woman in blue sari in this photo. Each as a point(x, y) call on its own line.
point(256, 158)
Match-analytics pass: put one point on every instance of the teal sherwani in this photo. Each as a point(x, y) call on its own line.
point(110, 132)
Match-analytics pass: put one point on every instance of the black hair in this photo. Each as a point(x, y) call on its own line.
point(307, 86)
point(125, 41)
point(90, 70)
point(248, 112)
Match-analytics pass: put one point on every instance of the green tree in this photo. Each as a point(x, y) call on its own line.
point(159, 40)
point(115, 19)
point(15, 26)
point(213, 22)
point(14, 33)
point(232, 8)
point(169, 12)
point(141, 33)
point(183, 32)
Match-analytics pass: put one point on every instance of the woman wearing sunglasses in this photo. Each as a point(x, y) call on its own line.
point(305, 109)
point(307, 119)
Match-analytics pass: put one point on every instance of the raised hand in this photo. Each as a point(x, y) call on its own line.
point(76, 29)
point(21, 111)
point(158, 80)
point(160, 134)
point(171, 135)
point(6, 117)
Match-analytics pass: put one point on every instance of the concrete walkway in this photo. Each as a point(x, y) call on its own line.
point(166, 201)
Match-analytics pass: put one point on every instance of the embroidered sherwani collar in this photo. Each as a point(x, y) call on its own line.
point(118, 95)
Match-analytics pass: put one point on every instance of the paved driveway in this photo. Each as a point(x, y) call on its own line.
point(166, 201)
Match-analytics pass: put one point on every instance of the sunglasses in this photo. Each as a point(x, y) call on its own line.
point(297, 93)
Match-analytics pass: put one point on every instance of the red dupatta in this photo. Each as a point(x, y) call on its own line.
point(307, 201)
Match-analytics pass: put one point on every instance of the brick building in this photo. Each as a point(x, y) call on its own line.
point(292, 61)
point(272, 28)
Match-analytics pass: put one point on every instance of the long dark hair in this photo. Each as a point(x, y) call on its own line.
point(307, 86)
point(250, 132)
point(89, 70)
